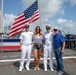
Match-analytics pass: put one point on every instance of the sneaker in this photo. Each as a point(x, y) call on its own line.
point(45, 69)
point(60, 72)
point(55, 70)
point(27, 68)
point(20, 69)
point(52, 69)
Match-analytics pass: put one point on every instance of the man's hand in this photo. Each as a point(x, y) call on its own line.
point(62, 51)
point(63, 46)
point(20, 48)
point(20, 45)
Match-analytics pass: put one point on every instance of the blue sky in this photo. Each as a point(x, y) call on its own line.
point(57, 13)
point(12, 7)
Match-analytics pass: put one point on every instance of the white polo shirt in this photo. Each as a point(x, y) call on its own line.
point(26, 37)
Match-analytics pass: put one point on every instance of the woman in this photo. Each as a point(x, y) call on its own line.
point(37, 40)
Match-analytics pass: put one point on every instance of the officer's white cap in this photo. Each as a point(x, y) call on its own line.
point(27, 25)
point(56, 28)
point(48, 26)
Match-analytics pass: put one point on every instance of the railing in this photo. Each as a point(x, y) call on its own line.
point(9, 44)
point(14, 44)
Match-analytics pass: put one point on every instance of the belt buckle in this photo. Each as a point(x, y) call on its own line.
point(28, 44)
point(48, 44)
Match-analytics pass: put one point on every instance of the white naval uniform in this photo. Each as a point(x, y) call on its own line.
point(26, 38)
point(48, 49)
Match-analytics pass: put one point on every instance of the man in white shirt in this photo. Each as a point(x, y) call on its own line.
point(25, 47)
point(48, 48)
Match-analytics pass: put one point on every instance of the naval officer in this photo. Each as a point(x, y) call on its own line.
point(25, 47)
point(48, 47)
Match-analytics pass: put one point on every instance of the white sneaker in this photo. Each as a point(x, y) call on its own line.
point(45, 69)
point(20, 69)
point(52, 69)
point(27, 68)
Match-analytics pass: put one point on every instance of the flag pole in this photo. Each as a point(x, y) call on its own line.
point(40, 14)
point(2, 29)
point(2, 26)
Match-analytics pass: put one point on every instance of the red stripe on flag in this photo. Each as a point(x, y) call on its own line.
point(35, 19)
point(15, 33)
point(20, 23)
point(17, 29)
point(21, 15)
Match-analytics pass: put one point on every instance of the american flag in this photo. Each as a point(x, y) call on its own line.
point(30, 15)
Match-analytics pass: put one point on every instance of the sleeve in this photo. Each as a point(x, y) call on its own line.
point(62, 39)
point(32, 33)
point(21, 36)
point(52, 37)
point(33, 38)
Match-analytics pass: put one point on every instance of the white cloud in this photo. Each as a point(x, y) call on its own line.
point(62, 12)
point(8, 19)
point(73, 2)
point(66, 25)
point(52, 8)
point(60, 21)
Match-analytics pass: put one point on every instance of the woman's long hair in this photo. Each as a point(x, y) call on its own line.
point(35, 33)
